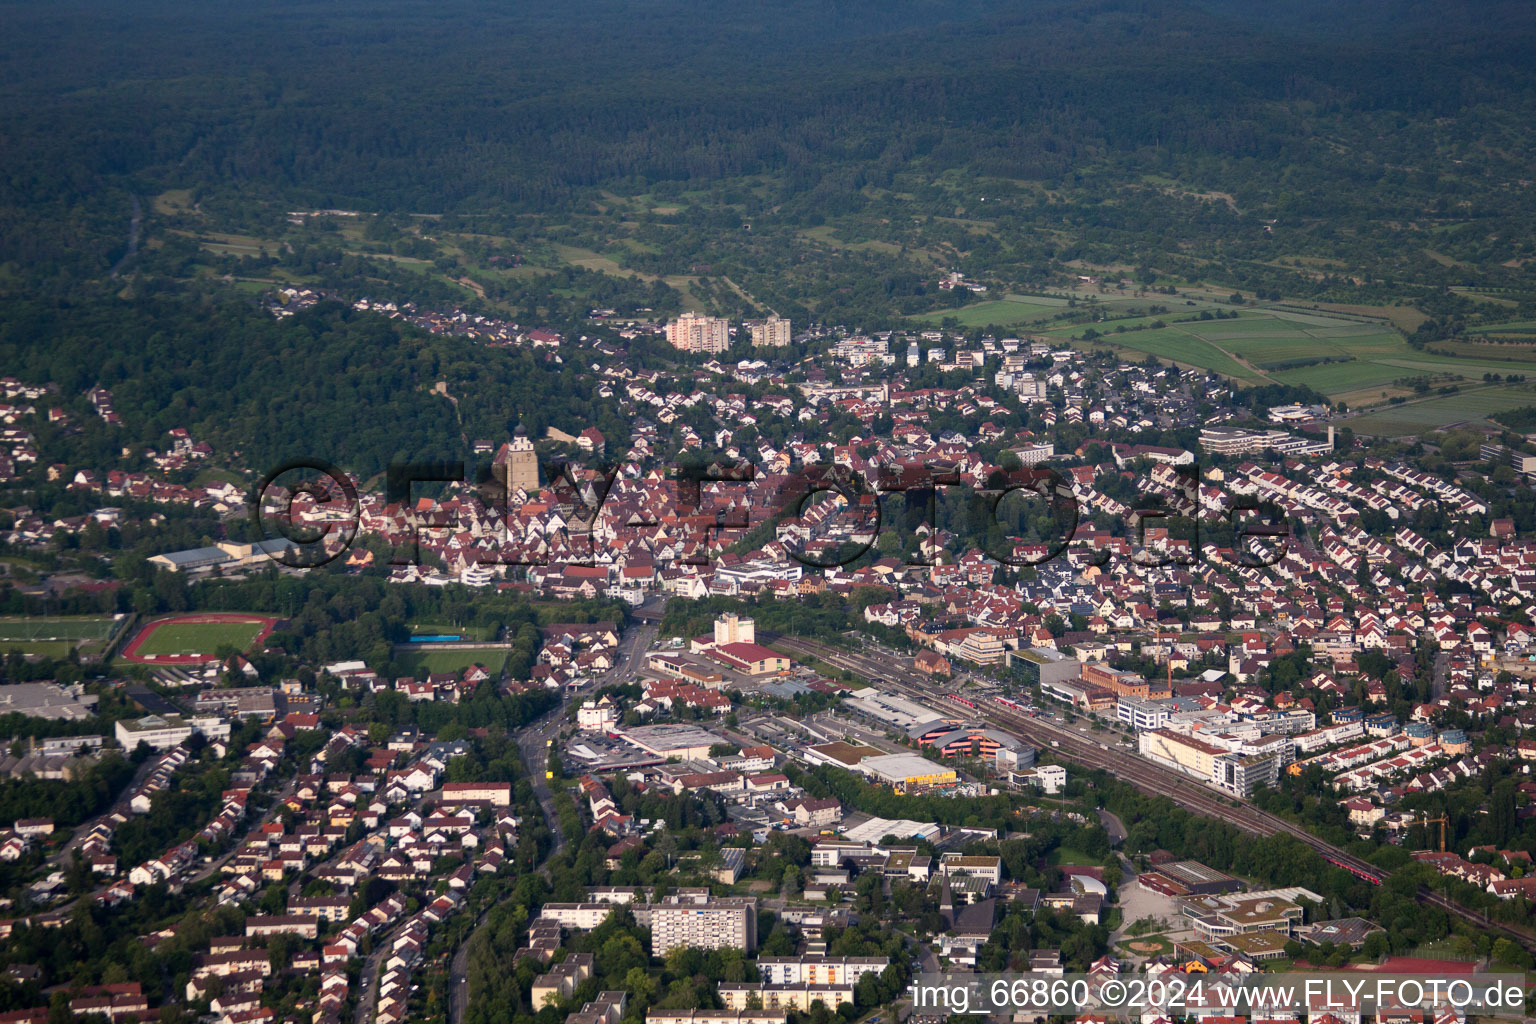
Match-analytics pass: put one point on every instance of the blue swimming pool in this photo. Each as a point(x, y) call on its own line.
point(434, 639)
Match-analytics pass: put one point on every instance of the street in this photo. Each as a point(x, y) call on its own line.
point(533, 743)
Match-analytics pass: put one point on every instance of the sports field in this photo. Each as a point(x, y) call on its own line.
point(421, 663)
point(188, 639)
point(61, 627)
point(442, 629)
point(54, 636)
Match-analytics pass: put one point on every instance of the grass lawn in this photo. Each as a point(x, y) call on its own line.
point(421, 663)
point(64, 627)
point(42, 648)
point(1071, 857)
point(199, 637)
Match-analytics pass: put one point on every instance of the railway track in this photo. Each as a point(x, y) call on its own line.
point(1144, 775)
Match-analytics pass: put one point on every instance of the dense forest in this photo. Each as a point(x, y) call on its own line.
point(329, 383)
point(1219, 135)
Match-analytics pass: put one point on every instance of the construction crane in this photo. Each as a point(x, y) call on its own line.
point(1442, 821)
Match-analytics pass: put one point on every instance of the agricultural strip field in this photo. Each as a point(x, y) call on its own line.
point(1433, 413)
point(1257, 346)
point(1168, 343)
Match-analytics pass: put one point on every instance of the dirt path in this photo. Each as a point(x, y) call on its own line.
point(133, 236)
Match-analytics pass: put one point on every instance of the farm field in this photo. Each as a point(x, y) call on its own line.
point(1519, 358)
point(1254, 348)
point(1166, 343)
point(421, 663)
point(997, 312)
point(1417, 417)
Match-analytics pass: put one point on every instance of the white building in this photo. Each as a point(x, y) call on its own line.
point(597, 715)
point(732, 629)
point(164, 732)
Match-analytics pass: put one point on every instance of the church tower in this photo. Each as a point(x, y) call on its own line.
point(522, 465)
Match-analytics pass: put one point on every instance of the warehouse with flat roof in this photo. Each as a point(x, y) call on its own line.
point(906, 772)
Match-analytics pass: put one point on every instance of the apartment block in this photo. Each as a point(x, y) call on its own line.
point(694, 332)
point(729, 923)
point(800, 998)
point(773, 332)
point(818, 970)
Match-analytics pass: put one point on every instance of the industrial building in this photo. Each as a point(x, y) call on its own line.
point(908, 772)
point(47, 700)
point(684, 742)
point(1141, 713)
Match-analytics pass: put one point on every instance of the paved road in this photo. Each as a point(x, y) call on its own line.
point(60, 857)
point(367, 991)
point(531, 743)
point(277, 805)
point(134, 222)
point(534, 743)
point(56, 859)
point(1114, 826)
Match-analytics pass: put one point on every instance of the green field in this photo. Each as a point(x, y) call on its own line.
point(1370, 356)
point(1166, 343)
point(57, 636)
point(1071, 857)
point(1433, 413)
point(66, 627)
point(996, 313)
point(40, 648)
point(421, 663)
point(199, 637)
